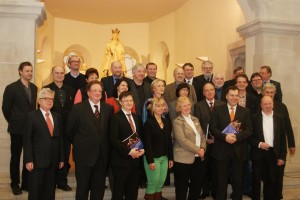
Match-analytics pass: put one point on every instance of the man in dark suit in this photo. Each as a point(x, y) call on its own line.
point(268, 150)
point(43, 147)
point(270, 90)
point(230, 150)
point(63, 102)
point(87, 130)
point(188, 69)
point(232, 82)
point(218, 81)
point(206, 77)
point(266, 73)
point(151, 70)
point(74, 78)
point(203, 110)
point(109, 81)
point(18, 99)
point(124, 160)
point(255, 86)
point(140, 90)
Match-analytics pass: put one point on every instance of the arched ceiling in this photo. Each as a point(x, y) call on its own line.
point(112, 11)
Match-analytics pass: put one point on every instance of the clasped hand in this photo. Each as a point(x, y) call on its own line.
point(230, 138)
point(135, 153)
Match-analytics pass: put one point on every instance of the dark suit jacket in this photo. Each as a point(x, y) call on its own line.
point(16, 105)
point(258, 136)
point(62, 110)
point(88, 134)
point(220, 120)
point(120, 130)
point(228, 83)
point(108, 84)
point(39, 147)
point(278, 95)
point(148, 80)
point(251, 103)
point(198, 83)
point(250, 90)
point(203, 113)
point(147, 92)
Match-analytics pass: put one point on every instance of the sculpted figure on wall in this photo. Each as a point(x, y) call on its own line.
point(114, 52)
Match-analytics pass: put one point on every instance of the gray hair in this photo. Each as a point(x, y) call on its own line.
point(44, 91)
point(137, 66)
point(269, 86)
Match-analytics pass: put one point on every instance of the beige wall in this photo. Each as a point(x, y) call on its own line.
point(198, 28)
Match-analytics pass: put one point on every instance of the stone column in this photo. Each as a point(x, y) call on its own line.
point(18, 22)
point(272, 36)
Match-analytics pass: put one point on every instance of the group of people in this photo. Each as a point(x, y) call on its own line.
point(136, 130)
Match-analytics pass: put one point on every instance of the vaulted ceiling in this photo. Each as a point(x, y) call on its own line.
point(112, 11)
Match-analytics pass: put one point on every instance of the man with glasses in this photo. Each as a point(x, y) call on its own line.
point(87, 129)
point(206, 77)
point(18, 99)
point(43, 147)
point(255, 86)
point(74, 78)
point(64, 100)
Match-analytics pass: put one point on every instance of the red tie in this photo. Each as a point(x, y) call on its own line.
point(49, 124)
point(131, 123)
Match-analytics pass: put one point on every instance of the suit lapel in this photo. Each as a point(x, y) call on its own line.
point(55, 124)
point(21, 88)
point(43, 121)
point(260, 127)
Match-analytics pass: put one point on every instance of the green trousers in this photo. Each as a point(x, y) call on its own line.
point(157, 177)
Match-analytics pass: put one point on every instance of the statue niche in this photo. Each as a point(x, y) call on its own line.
point(114, 52)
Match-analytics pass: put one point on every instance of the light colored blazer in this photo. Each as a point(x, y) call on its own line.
point(170, 93)
point(185, 140)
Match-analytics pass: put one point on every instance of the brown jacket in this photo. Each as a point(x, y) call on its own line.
point(185, 140)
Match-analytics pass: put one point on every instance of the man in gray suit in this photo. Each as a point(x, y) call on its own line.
point(170, 91)
point(203, 110)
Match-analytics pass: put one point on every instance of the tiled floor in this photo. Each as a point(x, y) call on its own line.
point(291, 190)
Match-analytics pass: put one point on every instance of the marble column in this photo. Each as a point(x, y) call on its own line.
point(18, 22)
point(277, 43)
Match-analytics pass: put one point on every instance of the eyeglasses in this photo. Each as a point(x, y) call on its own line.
point(75, 61)
point(48, 99)
point(255, 80)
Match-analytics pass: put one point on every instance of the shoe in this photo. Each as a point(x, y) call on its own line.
point(64, 187)
point(16, 190)
point(249, 194)
point(143, 185)
point(24, 188)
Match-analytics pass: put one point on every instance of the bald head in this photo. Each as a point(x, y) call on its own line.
point(178, 75)
point(267, 104)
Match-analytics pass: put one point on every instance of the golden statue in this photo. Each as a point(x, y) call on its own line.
point(114, 52)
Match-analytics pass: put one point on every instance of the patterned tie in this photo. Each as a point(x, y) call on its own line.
point(131, 123)
point(232, 113)
point(97, 113)
point(49, 124)
point(211, 106)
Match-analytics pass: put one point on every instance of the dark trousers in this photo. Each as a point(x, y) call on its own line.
point(62, 174)
point(280, 180)
point(16, 150)
point(42, 183)
point(126, 183)
point(188, 176)
point(223, 168)
point(90, 179)
point(265, 169)
point(209, 183)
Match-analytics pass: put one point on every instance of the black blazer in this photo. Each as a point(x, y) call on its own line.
point(108, 84)
point(88, 134)
point(251, 103)
point(120, 130)
point(147, 92)
point(16, 105)
point(75, 83)
point(157, 141)
point(278, 95)
point(203, 113)
point(220, 120)
point(39, 147)
point(198, 83)
point(258, 136)
point(62, 110)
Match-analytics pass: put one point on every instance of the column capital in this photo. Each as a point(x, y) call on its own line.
point(268, 26)
point(24, 10)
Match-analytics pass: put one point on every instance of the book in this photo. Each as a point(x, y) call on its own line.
point(233, 127)
point(208, 134)
point(133, 141)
